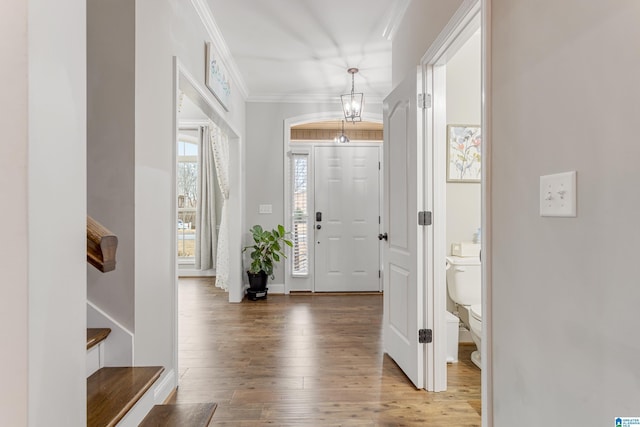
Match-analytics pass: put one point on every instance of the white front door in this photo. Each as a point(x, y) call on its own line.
point(347, 212)
point(402, 264)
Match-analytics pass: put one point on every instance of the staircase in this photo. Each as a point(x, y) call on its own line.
point(112, 392)
point(195, 414)
point(123, 395)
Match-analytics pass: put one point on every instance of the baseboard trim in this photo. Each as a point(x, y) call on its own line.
point(192, 272)
point(332, 293)
point(464, 336)
point(147, 401)
point(276, 288)
point(165, 388)
point(119, 351)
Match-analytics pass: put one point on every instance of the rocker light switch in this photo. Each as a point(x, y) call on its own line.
point(558, 194)
point(265, 209)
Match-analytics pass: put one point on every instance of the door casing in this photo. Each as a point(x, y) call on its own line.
point(306, 283)
point(289, 284)
point(465, 22)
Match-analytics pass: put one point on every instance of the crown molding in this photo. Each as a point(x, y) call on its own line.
point(395, 19)
point(296, 98)
point(204, 12)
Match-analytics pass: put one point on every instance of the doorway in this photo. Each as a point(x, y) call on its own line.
point(192, 172)
point(423, 359)
point(332, 206)
point(232, 151)
point(463, 183)
point(185, 83)
point(450, 184)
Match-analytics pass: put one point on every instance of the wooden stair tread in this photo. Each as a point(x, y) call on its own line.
point(112, 392)
point(180, 415)
point(96, 335)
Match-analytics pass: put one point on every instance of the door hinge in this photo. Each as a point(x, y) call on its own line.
point(379, 220)
point(379, 274)
point(424, 100)
point(379, 166)
point(425, 336)
point(424, 218)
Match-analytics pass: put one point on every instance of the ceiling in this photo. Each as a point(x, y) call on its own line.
point(297, 50)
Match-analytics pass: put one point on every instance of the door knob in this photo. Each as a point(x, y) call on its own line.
point(318, 226)
point(383, 236)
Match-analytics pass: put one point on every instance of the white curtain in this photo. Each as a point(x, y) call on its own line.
point(220, 144)
point(206, 239)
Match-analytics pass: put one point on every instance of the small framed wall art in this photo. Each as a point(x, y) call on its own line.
point(216, 77)
point(464, 153)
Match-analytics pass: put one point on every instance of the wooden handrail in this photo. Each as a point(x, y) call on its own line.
point(101, 246)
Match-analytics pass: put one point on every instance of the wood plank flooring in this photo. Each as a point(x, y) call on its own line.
point(306, 360)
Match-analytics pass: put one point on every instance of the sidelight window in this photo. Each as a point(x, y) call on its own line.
point(300, 214)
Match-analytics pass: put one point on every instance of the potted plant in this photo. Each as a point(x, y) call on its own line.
point(266, 251)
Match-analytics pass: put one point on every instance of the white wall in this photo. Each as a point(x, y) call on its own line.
point(463, 108)
point(422, 22)
point(132, 147)
point(110, 148)
point(165, 29)
point(265, 160)
point(14, 267)
point(565, 290)
point(57, 212)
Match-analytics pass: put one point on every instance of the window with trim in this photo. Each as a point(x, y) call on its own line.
point(300, 214)
point(187, 189)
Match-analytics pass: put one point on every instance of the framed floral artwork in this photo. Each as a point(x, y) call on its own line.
point(464, 153)
point(217, 77)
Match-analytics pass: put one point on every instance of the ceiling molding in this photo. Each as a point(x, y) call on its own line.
point(204, 12)
point(464, 22)
point(395, 20)
point(308, 99)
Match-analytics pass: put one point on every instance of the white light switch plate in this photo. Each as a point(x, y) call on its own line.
point(558, 194)
point(265, 209)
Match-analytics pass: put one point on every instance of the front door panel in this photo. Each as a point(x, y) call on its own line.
point(347, 197)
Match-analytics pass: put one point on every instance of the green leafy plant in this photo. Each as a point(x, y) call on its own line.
point(267, 249)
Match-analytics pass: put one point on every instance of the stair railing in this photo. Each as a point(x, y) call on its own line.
point(101, 246)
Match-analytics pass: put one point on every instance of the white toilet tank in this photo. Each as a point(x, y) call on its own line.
point(464, 280)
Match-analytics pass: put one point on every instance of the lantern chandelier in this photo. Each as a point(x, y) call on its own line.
point(352, 103)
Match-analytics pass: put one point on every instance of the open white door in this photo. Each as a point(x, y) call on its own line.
point(402, 260)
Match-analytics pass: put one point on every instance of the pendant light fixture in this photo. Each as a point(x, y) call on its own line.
point(342, 139)
point(352, 103)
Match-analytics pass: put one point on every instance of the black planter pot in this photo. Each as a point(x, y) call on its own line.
point(257, 285)
point(257, 281)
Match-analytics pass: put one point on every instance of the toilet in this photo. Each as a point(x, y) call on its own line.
point(464, 283)
point(475, 327)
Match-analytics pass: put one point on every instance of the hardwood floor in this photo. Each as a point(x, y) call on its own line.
point(306, 360)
